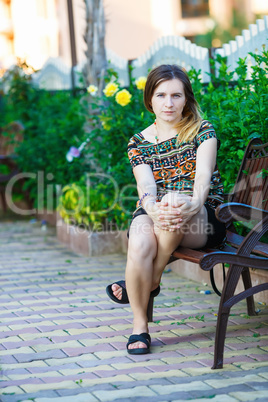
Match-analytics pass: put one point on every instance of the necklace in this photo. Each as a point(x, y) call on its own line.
point(168, 169)
point(164, 173)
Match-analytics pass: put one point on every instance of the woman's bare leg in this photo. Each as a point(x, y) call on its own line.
point(142, 249)
point(190, 235)
point(149, 250)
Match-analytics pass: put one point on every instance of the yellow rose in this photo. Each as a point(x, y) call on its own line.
point(92, 90)
point(123, 97)
point(110, 89)
point(140, 82)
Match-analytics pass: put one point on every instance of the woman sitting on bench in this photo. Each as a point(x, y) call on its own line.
point(179, 187)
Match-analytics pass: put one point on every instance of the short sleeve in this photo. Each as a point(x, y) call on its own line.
point(206, 132)
point(135, 154)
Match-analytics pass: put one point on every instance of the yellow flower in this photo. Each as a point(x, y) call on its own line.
point(140, 82)
point(123, 97)
point(110, 89)
point(92, 90)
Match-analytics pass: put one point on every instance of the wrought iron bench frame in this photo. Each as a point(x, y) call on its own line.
point(248, 201)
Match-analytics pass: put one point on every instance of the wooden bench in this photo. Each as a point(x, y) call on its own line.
point(248, 202)
point(10, 136)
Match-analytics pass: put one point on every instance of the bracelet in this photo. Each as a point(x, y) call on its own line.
point(150, 201)
point(143, 196)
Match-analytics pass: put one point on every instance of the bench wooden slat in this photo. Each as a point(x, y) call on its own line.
point(195, 256)
point(234, 240)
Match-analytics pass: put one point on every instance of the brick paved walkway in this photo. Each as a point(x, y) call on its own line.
point(62, 339)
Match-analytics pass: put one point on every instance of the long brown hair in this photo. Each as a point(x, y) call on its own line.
point(191, 120)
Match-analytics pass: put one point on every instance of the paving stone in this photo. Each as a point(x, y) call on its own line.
point(30, 397)
point(106, 396)
point(249, 396)
point(212, 393)
point(68, 330)
point(24, 357)
point(78, 398)
point(168, 389)
point(237, 380)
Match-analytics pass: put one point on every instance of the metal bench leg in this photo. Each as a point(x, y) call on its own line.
point(220, 339)
point(150, 309)
point(248, 284)
point(223, 313)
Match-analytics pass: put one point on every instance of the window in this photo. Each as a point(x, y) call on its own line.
point(194, 8)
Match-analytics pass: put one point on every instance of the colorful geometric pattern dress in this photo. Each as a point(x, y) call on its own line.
point(173, 166)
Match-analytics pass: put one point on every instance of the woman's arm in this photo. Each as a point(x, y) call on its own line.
point(146, 185)
point(145, 181)
point(205, 165)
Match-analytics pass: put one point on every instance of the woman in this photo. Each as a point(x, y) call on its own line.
point(179, 187)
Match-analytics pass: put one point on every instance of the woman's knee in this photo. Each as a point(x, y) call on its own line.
point(142, 247)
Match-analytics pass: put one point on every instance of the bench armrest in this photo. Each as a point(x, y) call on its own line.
point(210, 260)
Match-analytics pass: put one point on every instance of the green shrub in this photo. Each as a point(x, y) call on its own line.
point(86, 203)
point(238, 109)
point(236, 106)
point(115, 121)
point(53, 122)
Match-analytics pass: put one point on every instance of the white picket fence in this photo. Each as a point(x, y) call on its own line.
point(252, 40)
point(166, 50)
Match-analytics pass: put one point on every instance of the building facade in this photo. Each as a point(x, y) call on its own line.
point(35, 30)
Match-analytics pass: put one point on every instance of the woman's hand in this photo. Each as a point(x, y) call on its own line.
point(176, 210)
point(154, 212)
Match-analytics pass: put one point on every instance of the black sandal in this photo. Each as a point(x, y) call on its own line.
point(125, 300)
point(109, 292)
point(145, 338)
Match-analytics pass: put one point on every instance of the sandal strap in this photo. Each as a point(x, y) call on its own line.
point(144, 337)
point(124, 291)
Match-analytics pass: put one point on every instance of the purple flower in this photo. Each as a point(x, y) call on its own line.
point(72, 153)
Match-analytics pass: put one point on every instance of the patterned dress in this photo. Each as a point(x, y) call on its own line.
point(174, 167)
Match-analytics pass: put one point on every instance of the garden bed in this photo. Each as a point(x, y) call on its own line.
point(85, 242)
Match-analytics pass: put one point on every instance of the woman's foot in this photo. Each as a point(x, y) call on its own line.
point(139, 341)
point(118, 293)
point(139, 344)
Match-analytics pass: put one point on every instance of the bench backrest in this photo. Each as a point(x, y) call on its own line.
point(251, 185)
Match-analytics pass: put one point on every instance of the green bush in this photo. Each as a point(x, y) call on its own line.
point(238, 109)
point(53, 122)
point(236, 106)
point(116, 116)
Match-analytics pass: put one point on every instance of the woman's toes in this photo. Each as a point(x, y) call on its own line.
point(137, 345)
point(117, 291)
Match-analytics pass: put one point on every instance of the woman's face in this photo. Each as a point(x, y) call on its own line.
point(168, 101)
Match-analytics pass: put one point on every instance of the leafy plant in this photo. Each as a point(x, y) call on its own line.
point(98, 188)
point(237, 107)
point(86, 204)
point(53, 122)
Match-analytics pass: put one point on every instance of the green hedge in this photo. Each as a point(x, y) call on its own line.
point(53, 123)
point(236, 106)
point(238, 109)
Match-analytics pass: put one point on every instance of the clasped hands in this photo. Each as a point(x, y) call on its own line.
point(173, 211)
